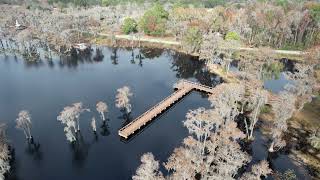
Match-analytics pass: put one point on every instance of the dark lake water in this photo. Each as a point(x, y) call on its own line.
point(277, 82)
point(44, 88)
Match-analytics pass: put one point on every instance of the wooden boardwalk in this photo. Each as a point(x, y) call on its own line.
point(184, 88)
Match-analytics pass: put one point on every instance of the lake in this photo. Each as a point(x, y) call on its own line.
point(46, 87)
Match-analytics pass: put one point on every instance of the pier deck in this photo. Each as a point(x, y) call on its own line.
point(162, 106)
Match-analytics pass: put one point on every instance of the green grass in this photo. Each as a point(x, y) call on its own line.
point(265, 109)
point(296, 47)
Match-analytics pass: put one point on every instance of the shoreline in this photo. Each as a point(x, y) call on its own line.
point(155, 42)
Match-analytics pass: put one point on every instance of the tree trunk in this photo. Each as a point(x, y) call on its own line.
point(295, 36)
point(25, 133)
point(251, 132)
point(204, 144)
point(311, 36)
point(271, 148)
point(2, 44)
point(228, 67)
point(78, 126)
point(29, 132)
point(247, 129)
point(131, 41)
point(254, 120)
point(303, 30)
point(103, 117)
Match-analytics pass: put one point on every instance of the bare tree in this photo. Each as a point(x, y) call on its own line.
point(4, 153)
point(225, 154)
point(78, 107)
point(67, 117)
point(102, 108)
point(24, 123)
point(214, 46)
point(122, 99)
point(222, 159)
point(94, 125)
point(185, 161)
point(149, 169)
point(225, 98)
point(283, 109)
point(257, 170)
point(201, 122)
point(228, 48)
point(257, 98)
point(314, 139)
point(303, 83)
point(70, 118)
point(210, 45)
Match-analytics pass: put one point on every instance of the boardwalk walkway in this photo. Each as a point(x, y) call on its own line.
point(184, 88)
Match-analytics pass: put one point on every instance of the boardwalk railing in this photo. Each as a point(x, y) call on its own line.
point(149, 115)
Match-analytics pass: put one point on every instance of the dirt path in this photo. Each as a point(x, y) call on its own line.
point(169, 41)
point(144, 39)
point(298, 53)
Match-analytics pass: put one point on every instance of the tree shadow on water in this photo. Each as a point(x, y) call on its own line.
point(80, 150)
point(98, 55)
point(140, 58)
point(105, 128)
point(114, 56)
point(127, 118)
point(33, 149)
point(132, 60)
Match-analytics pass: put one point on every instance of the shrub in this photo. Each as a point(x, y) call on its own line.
point(283, 3)
point(265, 109)
point(287, 175)
point(108, 2)
point(232, 36)
point(83, 3)
point(129, 26)
point(193, 39)
point(314, 140)
point(154, 20)
point(213, 3)
point(314, 8)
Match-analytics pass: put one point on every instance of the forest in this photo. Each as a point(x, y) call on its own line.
point(281, 24)
point(258, 35)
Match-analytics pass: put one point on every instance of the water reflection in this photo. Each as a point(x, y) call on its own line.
point(98, 55)
point(151, 79)
point(80, 151)
point(77, 57)
point(140, 58)
point(275, 80)
point(14, 166)
point(33, 149)
point(188, 67)
point(278, 161)
point(50, 64)
point(288, 65)
point(114, 56)
point(272, 74)
point(126, 117)
point(35, 64)
point(151, 53)
point(185, 66)
point(132, 58)
point(272, 71)
point(105, 128)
